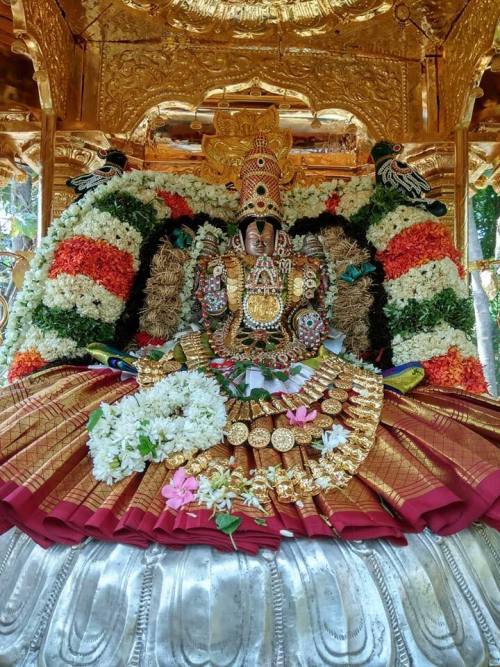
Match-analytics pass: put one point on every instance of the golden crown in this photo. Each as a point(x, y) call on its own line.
point(260, 174)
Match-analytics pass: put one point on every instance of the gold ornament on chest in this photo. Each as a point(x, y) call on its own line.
point(263, 302)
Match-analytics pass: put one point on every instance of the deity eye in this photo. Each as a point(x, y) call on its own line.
point(260, 161)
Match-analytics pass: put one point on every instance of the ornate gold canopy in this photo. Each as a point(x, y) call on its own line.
point(254, 18)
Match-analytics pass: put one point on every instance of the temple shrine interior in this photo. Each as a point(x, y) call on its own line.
point(249, 333)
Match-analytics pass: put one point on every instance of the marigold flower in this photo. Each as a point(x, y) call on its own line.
point(25, 363)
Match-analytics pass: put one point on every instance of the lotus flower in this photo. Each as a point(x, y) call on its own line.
point(180, 490)
point(301, 416)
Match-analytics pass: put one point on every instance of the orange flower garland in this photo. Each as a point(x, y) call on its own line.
point(25, 363)
point(96, 259)
point(418, 245)
point(454, 370)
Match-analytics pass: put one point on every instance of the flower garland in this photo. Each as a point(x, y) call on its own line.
point(423, 282)
point(430, 314)
point(183, 413)
point(80, 278)
point(89, 258)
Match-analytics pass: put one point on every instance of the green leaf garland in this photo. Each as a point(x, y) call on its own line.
point(129, 209)
point(70, 324)
point(417, 316)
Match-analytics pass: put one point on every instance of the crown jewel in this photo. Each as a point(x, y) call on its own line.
point(260, 182)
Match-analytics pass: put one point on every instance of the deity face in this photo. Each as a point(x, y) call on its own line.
point(259, 243)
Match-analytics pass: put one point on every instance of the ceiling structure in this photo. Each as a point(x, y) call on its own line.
point(105, 64)
point(148, 75)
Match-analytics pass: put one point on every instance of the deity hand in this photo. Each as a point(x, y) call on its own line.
point(309, 327)
point(214, 290)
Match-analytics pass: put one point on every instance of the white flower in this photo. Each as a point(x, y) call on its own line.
point(338, 435)
point(423, 282)
point(184, 412)
point(395, 222)
point(49, 344)
point(429, 344)
point(213, 494)
point(251, 500)
point(88, 297)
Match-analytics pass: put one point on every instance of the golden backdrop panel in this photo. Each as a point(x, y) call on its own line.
point(41, 28)
point(134, 78)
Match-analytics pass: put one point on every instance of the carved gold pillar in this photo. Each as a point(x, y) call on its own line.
point(461, 190)
point(46, 173)
point(72, 157)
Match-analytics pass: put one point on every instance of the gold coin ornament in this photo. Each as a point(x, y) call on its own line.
point(331, 406)
point(283, 439)
point(259, 438)
point(323, 421)
point(338, 394)
point(342, 384)
point(237, 434)
point(302, 437)
point(313, 430)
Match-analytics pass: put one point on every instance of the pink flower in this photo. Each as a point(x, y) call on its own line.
point(301, 416)
point(180, 490)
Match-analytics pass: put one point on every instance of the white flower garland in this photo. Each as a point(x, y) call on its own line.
point(88, 297)
point(429, 344)
point(425, 281)
point(307, 202)
point(101, 225)
point(395, 222)
point(49, 345)
point(355, 194)
point(184, 412)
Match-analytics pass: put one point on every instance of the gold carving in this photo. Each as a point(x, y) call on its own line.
point(240, 20)
point(226, 149)
point(43, 34)
point(466, 55)
point(136, 78)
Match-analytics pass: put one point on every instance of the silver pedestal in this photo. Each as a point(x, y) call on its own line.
point(312, 604)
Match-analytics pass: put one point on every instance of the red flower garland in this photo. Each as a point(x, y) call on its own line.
point(454, 370)
point(142, 339)
point(96, 259)
point(332, 203)
point(417, 245)
point(25, 363)
point(177, 204)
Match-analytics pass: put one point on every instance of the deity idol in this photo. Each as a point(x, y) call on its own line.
point(248, 427)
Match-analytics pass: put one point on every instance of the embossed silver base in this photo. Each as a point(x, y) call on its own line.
point(312, 604)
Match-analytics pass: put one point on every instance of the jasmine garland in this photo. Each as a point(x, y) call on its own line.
point(184, 413)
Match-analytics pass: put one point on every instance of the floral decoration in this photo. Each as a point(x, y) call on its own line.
point(183, 413)
point(301, 416)
point(177, 204)
point(79, 280)
point(179, 491)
